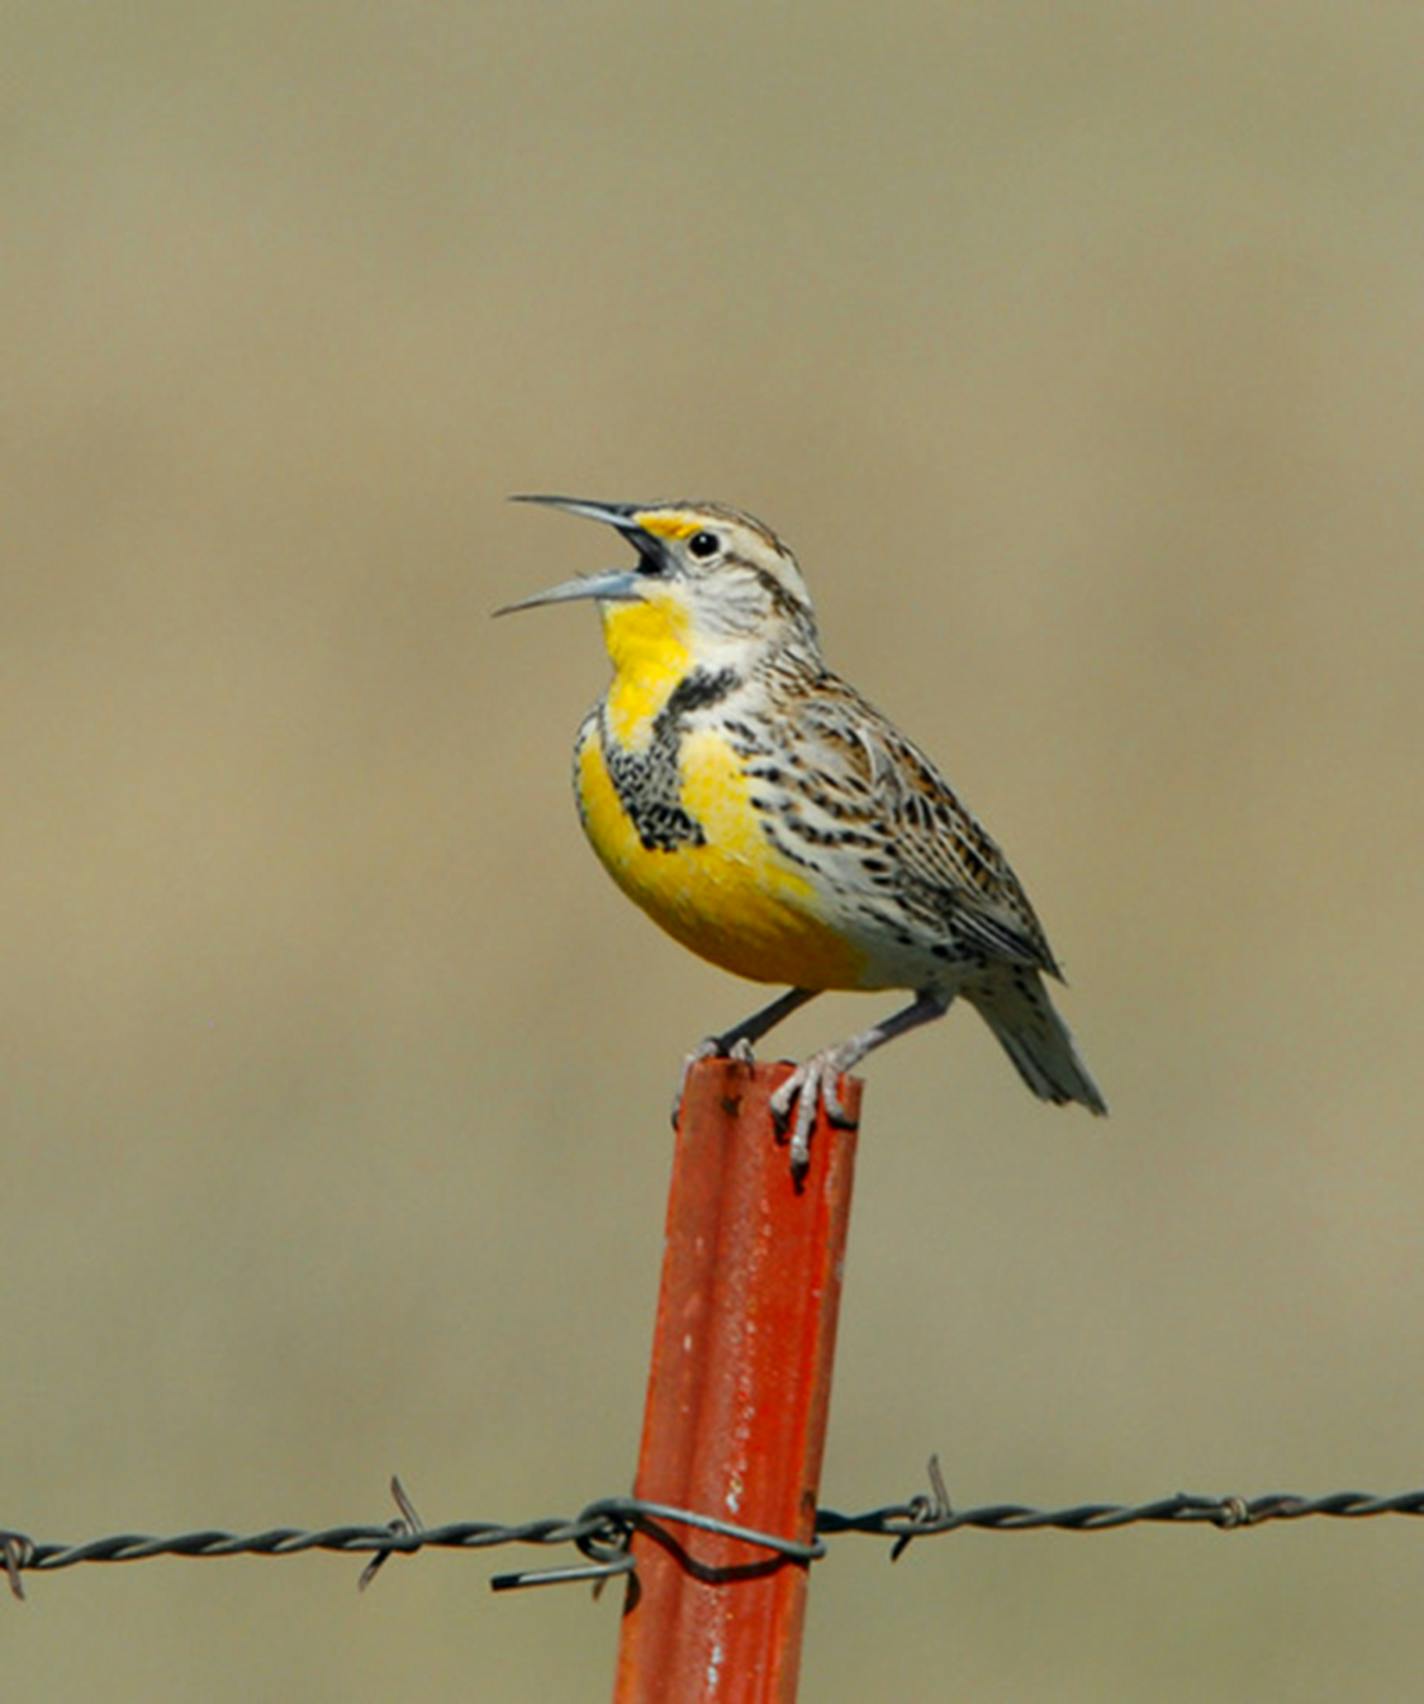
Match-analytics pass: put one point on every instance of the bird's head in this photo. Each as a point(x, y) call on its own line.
point(708, 580)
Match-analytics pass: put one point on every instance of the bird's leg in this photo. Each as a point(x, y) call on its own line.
point(815, 1081)
point(736, 1043)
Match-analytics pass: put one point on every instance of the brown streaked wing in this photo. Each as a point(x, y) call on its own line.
point(942, 847)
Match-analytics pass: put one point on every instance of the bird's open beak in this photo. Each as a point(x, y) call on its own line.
point(614, 585)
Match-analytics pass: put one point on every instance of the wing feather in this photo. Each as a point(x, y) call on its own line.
point(944, 868)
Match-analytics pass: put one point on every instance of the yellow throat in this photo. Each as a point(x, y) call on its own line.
point(649, 644)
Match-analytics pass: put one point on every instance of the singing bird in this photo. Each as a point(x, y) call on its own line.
point(769, 818)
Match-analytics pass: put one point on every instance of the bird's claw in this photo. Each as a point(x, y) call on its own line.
point(711, 1047)
point(812, 1084)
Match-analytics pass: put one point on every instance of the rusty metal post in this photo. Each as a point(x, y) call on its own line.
point(738, 1390)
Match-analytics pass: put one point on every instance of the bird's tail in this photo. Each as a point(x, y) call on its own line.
point(1016, 1006)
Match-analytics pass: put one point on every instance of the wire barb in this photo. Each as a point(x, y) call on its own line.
point(17, 1552)
point(407, 1524)
point(930, 1513)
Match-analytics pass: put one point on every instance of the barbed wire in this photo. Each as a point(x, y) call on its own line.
point(603, 1531)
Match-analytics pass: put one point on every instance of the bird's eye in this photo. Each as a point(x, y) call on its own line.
point(704, 544)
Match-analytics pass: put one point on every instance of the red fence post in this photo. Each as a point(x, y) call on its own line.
point(738, 1389)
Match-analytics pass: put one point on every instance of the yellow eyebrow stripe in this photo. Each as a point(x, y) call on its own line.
point(664, 525)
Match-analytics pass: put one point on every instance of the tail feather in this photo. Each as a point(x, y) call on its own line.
point(1016, 1006)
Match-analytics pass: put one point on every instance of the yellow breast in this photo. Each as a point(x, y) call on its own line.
point(734, 899)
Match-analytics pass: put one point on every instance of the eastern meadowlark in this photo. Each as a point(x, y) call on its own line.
point(769, 818)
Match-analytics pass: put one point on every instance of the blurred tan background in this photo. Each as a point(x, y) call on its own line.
point(1079, 351)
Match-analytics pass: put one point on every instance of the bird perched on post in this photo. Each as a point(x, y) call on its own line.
point(769, 818)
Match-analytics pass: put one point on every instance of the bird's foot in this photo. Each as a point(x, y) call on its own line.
point(712, 1047)
point(793, 1106)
